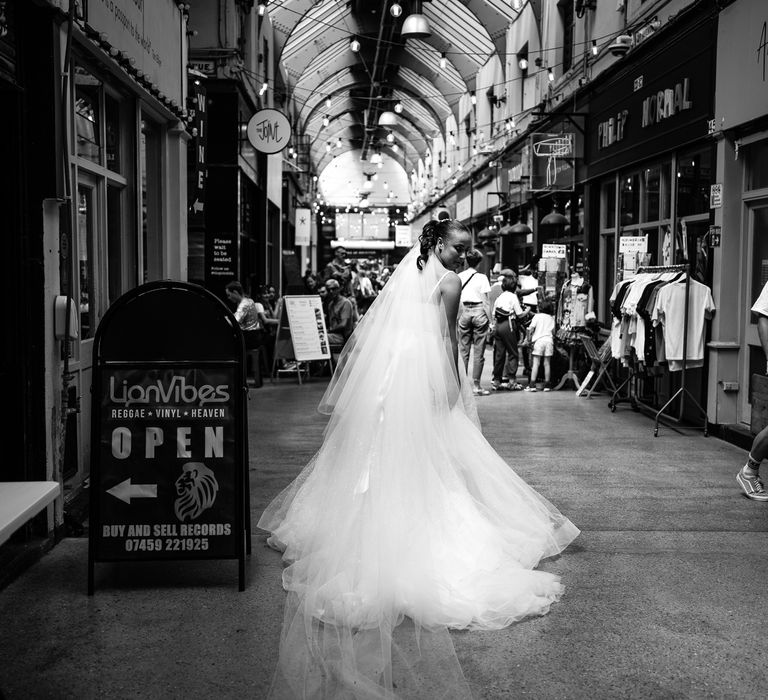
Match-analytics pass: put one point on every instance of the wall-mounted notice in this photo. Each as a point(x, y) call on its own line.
point(552, 250)
point(633, 244)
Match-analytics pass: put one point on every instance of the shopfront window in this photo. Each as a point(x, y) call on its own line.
point(759, 251)
point(630, 199)
point(756, 155)
point(694, 176)
point(106, 242)
point(86, 213)
point(151, 228)
point(88, 137)
point(112, 124)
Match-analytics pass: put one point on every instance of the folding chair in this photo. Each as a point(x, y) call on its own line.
point(601, 361)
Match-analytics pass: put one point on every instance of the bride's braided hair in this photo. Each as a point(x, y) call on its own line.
point(431, 232)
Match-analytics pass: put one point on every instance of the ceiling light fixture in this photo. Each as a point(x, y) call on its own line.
point(472, 97)
point(416, 25)
point(390, 137)
point(328, 102)
point(326, 121)
point(443, 60)
point(354, 44)
point(517, 5)
point(396, 9)
point(523, 63)
point(262, 7)
point(594, 47)
point(550, 75)
point(327, 146)
point(399, 107)
point(387, 118)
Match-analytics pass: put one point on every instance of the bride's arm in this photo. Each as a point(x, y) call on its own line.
point(450, 289)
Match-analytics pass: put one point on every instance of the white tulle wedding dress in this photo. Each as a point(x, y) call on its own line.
point(406, 523)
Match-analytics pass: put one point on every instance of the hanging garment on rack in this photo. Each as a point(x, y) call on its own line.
point(647, 349)
point(669, 311)
point(629, 333)
point(575, 303)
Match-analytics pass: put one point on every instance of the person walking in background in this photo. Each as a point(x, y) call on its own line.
point(508, 314)
point(340, 270)
point(249, 315)
point(367, 293)
point(749, 475)
point(341, 314)
point(542, 341)
point(474, 319)
point(496, 287)
point(527, 292)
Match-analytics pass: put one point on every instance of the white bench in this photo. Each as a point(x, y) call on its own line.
point(22, 500)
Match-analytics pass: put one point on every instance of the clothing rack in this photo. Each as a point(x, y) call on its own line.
point(631, 381)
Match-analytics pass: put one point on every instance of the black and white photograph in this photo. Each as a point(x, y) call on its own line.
point(384, 349)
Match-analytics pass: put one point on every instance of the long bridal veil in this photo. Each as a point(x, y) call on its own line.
point(406, 522)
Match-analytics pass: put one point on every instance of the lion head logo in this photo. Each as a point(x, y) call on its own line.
point(197, 488)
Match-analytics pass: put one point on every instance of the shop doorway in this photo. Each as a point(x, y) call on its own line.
point(757, 275)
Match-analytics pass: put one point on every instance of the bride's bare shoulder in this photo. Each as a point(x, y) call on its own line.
point(450, 285)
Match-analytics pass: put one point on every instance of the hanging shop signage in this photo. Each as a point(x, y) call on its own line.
point(269, 131)
point(221, 258)
point(303, 226)
point(742, 63)
point(148, 33)
point(196, 149)
point(660, 102)
point(552, 250)
point(716, 195)
point(168, 452)
point(403, 235)
point(552, 162)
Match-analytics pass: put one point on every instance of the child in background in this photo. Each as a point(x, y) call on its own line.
point(541, 337)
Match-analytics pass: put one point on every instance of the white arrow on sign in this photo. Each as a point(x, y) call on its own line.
point(197, 206)
point(125, 491)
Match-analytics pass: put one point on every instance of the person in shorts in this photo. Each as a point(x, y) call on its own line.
point(749, 475)
point(541, 339)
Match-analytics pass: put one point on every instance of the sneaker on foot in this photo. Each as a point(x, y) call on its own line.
point(479, 391)
point(530, 388)
point(546, 388)
point(516, 387)
point(752, 486)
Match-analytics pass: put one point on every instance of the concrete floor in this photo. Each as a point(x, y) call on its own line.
point(664, 588)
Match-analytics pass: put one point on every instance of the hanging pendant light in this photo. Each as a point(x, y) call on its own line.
point(416, 25)
point(387, 118)
point(554, 218)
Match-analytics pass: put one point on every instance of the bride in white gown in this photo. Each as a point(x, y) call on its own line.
point(406, 523)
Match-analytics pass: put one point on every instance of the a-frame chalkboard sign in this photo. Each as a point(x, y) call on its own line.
point(169, 476)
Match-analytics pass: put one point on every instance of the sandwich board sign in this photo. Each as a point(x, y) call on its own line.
point(302, 335)
point(169, 478)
